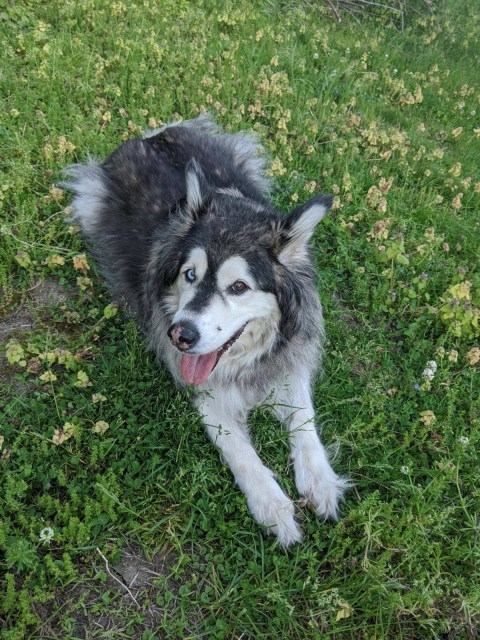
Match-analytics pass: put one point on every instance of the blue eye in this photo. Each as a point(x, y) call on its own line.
point(190, 275)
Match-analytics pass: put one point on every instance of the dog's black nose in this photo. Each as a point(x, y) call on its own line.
point(183, 335)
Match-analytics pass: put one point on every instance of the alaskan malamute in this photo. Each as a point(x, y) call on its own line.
point(223, 286)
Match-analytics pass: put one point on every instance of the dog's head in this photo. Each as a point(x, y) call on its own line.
point(233, 273)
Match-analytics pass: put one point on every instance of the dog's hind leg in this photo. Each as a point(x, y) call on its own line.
point(315, 479)
point(267, 502)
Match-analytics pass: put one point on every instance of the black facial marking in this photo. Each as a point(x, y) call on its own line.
point(205, 291)
point(261, 269)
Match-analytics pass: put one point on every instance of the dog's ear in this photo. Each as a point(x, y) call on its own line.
point(198, 189)
point(299, 226)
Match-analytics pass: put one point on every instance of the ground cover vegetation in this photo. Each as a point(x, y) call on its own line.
point(117, 519)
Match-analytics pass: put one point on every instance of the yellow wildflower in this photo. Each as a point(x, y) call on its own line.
point(277, 168)
point(461, 290)
point(385, 185)
point(381, 229)
point(56, 193)
point(82, 381)
point(473, 356)
point(65, 433)
point(80, 263)
point(456, 170)
point(100, 426)
point(453, 355)
point(54, 261)
point(457, 201)
point(84, 283)
point(427, 417)
point(64, 146)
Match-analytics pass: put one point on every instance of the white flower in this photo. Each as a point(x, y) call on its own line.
point(464, 440)
point(315, 56)
point(404, 470)
point(428, 374)
point(46, 535)
point(430, 370)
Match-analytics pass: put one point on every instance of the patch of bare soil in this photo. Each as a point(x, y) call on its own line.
point(43, 295)
point(26, 317)
point(132, 586)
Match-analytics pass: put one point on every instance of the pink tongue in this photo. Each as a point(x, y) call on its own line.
point(196, 369)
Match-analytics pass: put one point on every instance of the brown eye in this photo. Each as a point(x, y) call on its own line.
point(238, 287)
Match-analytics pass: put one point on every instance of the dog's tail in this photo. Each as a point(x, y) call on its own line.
point(204, 123)
point(87, 181)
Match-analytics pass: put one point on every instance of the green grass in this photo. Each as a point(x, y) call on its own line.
point(342, 105)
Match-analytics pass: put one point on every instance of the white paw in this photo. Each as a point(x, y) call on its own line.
point(324, 495)
point(319, 484)
point(274, 510)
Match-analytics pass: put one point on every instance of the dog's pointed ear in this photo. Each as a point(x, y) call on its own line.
point(198, 189)
point(299, 226)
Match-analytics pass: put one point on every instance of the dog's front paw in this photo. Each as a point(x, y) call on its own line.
point(323, 495)
point(319, 485)
point(274, 510)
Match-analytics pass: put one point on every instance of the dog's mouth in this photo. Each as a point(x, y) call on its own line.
point(195, 369)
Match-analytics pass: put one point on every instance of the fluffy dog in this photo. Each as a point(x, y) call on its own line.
point(223, 286)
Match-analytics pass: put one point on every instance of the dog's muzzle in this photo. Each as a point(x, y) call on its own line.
point(183, 335)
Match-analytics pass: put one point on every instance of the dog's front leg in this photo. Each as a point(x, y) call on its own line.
point(267, 502)
point(314, 477)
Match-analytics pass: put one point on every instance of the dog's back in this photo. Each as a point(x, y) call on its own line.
point(227, 160)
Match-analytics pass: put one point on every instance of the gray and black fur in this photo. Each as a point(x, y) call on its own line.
point(191, 185)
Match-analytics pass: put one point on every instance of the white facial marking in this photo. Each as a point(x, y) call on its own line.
point(233, 269)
